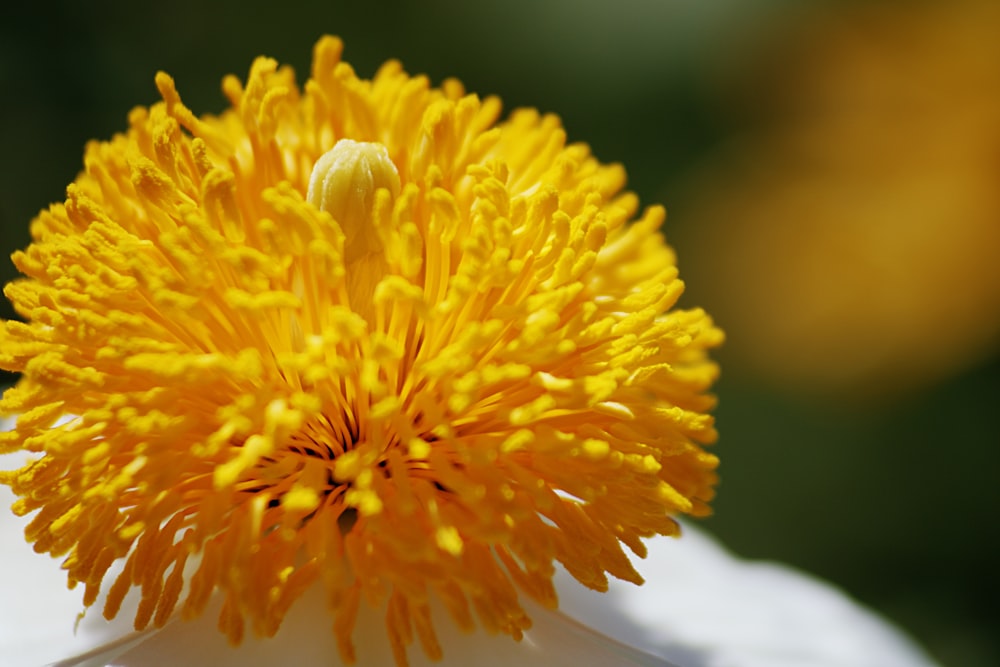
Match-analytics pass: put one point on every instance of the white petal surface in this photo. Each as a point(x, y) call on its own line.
point(38, 612)
point(701, 607)
point(305, 640)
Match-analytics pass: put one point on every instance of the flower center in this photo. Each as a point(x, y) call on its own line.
point(343, 183)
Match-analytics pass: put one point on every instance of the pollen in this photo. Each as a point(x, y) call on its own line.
point(358, 334)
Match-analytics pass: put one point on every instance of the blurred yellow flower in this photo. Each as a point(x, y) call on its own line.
point(855, 247)
point(357, 335)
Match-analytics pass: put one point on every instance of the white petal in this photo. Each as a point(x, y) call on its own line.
point(305, 640)
point(701, 607)
point(38, 613)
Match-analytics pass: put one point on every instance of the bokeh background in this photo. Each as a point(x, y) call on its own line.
point(832, 172)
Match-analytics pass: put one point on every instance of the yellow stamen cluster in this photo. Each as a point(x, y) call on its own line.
point(359, 335)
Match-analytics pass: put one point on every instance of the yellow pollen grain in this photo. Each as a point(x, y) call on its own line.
point(300, 499)
point(448, 539)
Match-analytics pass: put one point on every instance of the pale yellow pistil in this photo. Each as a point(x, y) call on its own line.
point(343, 183)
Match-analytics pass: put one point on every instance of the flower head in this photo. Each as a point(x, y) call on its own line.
point(359, 335)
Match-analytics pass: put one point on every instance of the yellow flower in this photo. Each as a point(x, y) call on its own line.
point(357, 335)
point(862, 226)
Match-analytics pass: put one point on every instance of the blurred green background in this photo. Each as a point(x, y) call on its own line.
point(881, 481)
